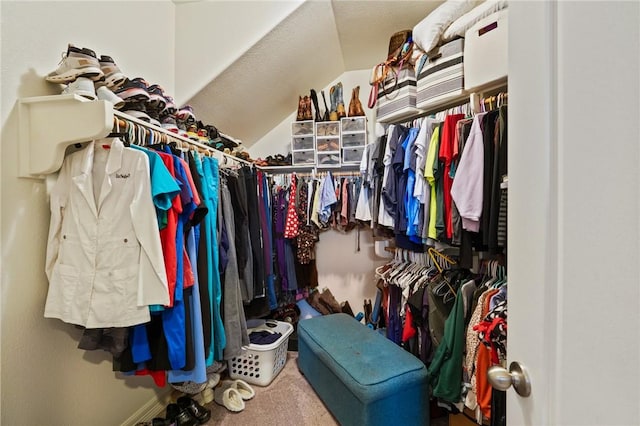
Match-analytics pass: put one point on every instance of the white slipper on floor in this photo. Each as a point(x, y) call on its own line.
point(243, 388)
point(229, 398)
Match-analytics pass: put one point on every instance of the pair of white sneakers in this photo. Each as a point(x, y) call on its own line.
point(86, 88)
point(88, 76)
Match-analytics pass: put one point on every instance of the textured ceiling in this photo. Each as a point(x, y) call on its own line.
point(313, 46)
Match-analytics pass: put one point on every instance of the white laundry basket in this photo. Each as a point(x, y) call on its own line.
point(260, 364)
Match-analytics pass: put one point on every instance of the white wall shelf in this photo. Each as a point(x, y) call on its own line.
point(49, 124)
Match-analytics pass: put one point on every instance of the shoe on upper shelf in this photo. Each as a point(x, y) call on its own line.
point(81, 86)
point(113, 77)
point(137, 110)
point(169, 123)
point(157, 100)
point(105, 94)
point(186, 115)
point(133, 90)
point(76, 62)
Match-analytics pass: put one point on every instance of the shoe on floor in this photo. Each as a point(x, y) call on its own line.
point(81, 86)
point(198, 411)
point(180, 416)
point(229, 398)
point(246, 392)
point(76, 63)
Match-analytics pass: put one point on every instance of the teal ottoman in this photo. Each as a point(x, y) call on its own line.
point(363, 378)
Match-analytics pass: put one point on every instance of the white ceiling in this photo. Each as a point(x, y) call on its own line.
point(311, 47)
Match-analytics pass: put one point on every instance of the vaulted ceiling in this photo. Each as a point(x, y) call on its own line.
point(312, 46)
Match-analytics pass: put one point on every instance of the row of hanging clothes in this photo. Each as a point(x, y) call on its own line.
point(454, 320)
point(304, 205)
point(438, 180)
point(154, 250)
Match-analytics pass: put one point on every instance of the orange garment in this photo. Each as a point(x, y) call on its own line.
point(168, 234)
point(483, 394)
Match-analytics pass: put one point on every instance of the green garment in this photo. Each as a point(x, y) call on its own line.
point(445, 371)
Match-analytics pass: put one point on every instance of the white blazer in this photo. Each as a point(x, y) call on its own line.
point(104, 259)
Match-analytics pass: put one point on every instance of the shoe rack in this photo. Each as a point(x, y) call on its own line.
point(328, 144)
point(353, 140)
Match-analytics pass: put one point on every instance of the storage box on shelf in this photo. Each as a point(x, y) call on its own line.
point(442, 76)
point(353, 140)
point(302, 143)
point(328, 144)
point(397, 101)
point(486, 51)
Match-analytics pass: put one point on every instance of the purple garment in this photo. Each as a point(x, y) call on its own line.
point(279, 211)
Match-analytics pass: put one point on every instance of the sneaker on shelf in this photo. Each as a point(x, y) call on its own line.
point(137, 110)
point(169, 123)
point(113, 77)
point(76, 62)
point(133, 90)
point(104, 94)
point(203, 136)
point(186, 115)
point(81, 86)
point(156, 98)
point(170, 105)
point(192, 133)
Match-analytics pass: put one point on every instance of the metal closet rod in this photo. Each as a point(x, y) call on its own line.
point(119, 116)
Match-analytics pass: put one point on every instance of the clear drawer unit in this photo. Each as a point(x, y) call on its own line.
point(302, 143)
point(328, 144)
point(353, 140)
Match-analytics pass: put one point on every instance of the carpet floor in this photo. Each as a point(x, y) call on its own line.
point(288, 400)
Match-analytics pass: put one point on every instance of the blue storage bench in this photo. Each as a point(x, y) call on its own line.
point(363, 378)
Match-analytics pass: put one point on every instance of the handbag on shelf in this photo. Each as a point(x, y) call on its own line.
point(384, 75)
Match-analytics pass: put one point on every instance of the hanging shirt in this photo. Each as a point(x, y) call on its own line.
point(467, 187)
point(163, 186)
point(104, 262)
point(327, 199)
point(447, 153)
point(430, 176)
point(292, 224)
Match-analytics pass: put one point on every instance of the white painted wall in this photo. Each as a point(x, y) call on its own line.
point(46, 379)
point(214, 34)
point(347, 273)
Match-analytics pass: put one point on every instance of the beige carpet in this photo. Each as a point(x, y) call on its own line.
point(288, 400)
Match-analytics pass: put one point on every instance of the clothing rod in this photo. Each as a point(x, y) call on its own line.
point(461, 100)
point(182, 139)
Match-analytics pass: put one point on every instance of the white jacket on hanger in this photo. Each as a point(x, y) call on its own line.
point(104, 259)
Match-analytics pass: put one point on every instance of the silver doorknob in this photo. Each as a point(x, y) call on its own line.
point(517, 376)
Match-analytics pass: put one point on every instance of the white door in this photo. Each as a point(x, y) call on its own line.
point(574, 197)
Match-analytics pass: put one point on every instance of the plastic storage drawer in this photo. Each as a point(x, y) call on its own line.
point(302, 143)
point(329, 160)
point(303, 157)
point(353, 139)
point(354, 124)
point(302, 128)
point(352, 155)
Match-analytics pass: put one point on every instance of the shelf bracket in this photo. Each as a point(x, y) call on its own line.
point(49, 124)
